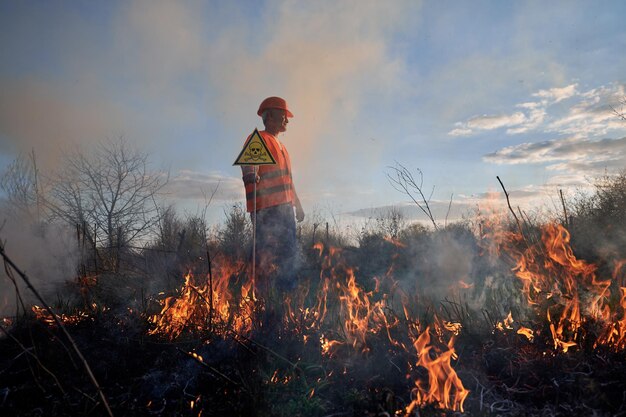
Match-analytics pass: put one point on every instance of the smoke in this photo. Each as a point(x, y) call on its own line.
point(452, 259)
point(46, 253)
point(40, 117)
point(170, 74)
point(325, 60)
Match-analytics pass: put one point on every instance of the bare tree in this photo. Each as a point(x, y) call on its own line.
point(20, 183)
point(403, 180)
point(110, 192)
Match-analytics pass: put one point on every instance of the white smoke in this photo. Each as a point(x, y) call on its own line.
point(46, 253)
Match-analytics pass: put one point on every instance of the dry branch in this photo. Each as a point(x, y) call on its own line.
point(405, 182)
point(9, 261)
point(508, 202)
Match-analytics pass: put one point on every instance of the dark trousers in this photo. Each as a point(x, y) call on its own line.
point(276, 249)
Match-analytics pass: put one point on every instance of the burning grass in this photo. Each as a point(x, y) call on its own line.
point(533, 330)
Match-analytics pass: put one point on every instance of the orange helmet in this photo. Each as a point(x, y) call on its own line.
point(274, 103)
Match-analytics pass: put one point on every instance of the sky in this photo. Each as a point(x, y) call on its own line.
point(462, 91)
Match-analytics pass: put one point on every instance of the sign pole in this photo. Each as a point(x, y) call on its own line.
point(254, 232)
point(254, 153)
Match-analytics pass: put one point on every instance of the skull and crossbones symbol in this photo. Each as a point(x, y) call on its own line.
point(255, 151)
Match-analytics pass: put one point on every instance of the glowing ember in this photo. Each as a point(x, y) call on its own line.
point(43, 315)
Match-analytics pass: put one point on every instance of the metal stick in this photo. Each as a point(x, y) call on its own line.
point(208, 257)
point(254, 231)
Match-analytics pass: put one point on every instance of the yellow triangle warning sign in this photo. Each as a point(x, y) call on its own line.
point(255, 152)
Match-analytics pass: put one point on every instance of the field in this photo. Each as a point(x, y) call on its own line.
point(494, 316)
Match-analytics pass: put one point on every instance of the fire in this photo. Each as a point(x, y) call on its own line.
point(43, 315)
point(356, 311)
point(564, 289)
point(615, 334)
point(525, 331)
point(444, 387)
point(207, 303)
point(394, 242)
point(340, 314)
point(506, 323)
point(328, 346)
point(361, 313)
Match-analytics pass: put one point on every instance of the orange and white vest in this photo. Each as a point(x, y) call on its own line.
point(276, 185)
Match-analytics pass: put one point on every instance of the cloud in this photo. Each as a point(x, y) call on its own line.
point(555, 95)
point(165, 48)
point(487, 122)
point(461, 131)
point(572, 154)
point(534, 117)
point(494, 122)
point(591, 114)
point(192, 185)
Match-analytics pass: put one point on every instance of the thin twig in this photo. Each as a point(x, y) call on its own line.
point(29, 353)
point(565, 218)
point(268, 350)
point(508, 202)
point(59, 323)
point(448, 212)
point(210, 368)
point(405, 183)
point(18, 295)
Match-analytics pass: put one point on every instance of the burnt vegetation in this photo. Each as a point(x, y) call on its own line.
point(491, 316)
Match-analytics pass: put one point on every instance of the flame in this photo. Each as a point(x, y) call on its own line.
point(361, 313)
point(444, 387)
point(562, 288)
point(530, 335)
point(453, 327)
point(356, 311)
point(43, 315)
point(506, 323)
point(277, 378)
point(615, 334)
point(340, 313)
point(209, 303)
point(394, 242)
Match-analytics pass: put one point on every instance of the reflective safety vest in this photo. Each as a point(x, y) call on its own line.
point(276, 185)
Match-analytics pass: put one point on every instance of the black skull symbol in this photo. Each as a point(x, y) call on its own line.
point(255, 150)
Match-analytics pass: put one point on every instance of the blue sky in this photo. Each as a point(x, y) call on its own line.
point(463, 91)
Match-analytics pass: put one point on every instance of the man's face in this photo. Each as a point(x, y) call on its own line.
point(277, 119)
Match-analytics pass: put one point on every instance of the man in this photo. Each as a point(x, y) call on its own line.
point(276, 197)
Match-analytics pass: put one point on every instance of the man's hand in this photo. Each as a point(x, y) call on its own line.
point(299, 213)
